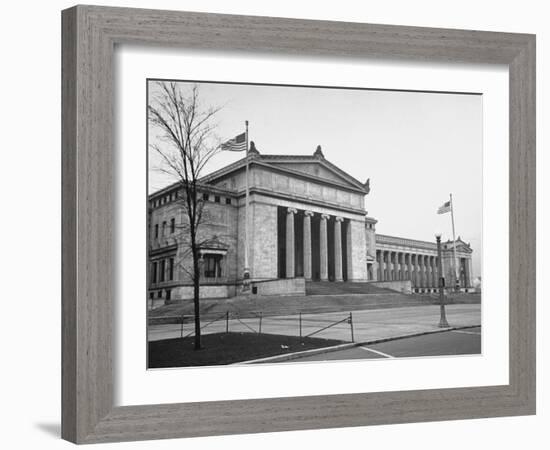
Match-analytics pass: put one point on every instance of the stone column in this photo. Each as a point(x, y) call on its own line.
point(427, 274)
point(380, 268)
point(349, 250)
point(403, 266)
point(338, 249)
point(414, 281)
point(421, 270)
point(431, 265)
point(429, 271)
point(324, 248)
point(386, 256)
point(467, 271)
point(290, 273)
point(397, 266)
point(436, 274)
point(433, 271)
point(307, 244)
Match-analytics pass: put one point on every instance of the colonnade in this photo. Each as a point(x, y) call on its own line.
point(324, 223)
point(421, 269)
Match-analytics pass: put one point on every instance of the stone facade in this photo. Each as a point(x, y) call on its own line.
point(408, 259)
point(307, 221)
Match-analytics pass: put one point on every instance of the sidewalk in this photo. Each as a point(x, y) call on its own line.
point(368, 325)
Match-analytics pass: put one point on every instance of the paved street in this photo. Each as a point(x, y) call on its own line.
point(455, 342)
point(368, 325)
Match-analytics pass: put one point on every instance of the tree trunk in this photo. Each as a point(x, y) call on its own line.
point(196, 284)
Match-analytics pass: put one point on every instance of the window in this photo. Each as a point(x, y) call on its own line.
point(217, 199)
point(227, 201)
point(205, 197)
point(159, 294)
point(151, 295)
point(171, 269)
point(163, 228)
point(168, 294)
point(156, 231)
point(212, 266)
point(162, 270)
point(154, 273)
point(172, 225)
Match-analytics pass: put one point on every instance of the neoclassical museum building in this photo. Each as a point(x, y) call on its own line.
point(307, 222)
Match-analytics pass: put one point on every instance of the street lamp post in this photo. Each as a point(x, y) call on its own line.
point(443, 318)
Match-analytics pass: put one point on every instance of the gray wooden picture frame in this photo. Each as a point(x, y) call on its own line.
point(90, 34)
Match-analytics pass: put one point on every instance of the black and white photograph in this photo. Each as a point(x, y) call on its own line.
point(305, 223)
point(275, 225)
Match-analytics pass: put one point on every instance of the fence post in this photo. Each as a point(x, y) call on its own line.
point(300, 318)
point(351, 326)
point(181, 329)
point(227, 321)
point(260, 328)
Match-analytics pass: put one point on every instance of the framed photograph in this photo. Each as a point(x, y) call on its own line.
point(277, 224)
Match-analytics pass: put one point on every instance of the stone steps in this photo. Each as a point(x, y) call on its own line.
point(338, 288)
point(286, 306)
point(272, 306)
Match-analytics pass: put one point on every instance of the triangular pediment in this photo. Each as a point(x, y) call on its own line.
point(313, 167)
point(461, 246)
point(316, 168)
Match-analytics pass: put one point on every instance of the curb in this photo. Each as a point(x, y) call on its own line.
point(319, 351)
point(296, 355)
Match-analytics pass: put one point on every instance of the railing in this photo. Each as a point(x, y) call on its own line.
point(348, 319)
point(254, 322)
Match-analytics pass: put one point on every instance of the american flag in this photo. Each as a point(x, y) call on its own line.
point(444, 208)
point(237, 144)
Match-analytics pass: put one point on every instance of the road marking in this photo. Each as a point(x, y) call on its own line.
point(465, 332)
point(385, 355)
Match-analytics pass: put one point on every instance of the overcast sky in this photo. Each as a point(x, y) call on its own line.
point(415, 147)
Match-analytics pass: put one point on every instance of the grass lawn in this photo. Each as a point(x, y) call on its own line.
point(227, 348)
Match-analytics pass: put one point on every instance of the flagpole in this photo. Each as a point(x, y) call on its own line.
point(246, 268)
point(454, 239)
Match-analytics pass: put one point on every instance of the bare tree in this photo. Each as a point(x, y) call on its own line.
point(186, 141)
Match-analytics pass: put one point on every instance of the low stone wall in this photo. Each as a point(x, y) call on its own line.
point(288, 286)
point(404, 286)
point(291, 286)
point(206, 291)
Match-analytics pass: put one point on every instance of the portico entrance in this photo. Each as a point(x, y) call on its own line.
point(311, 245)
